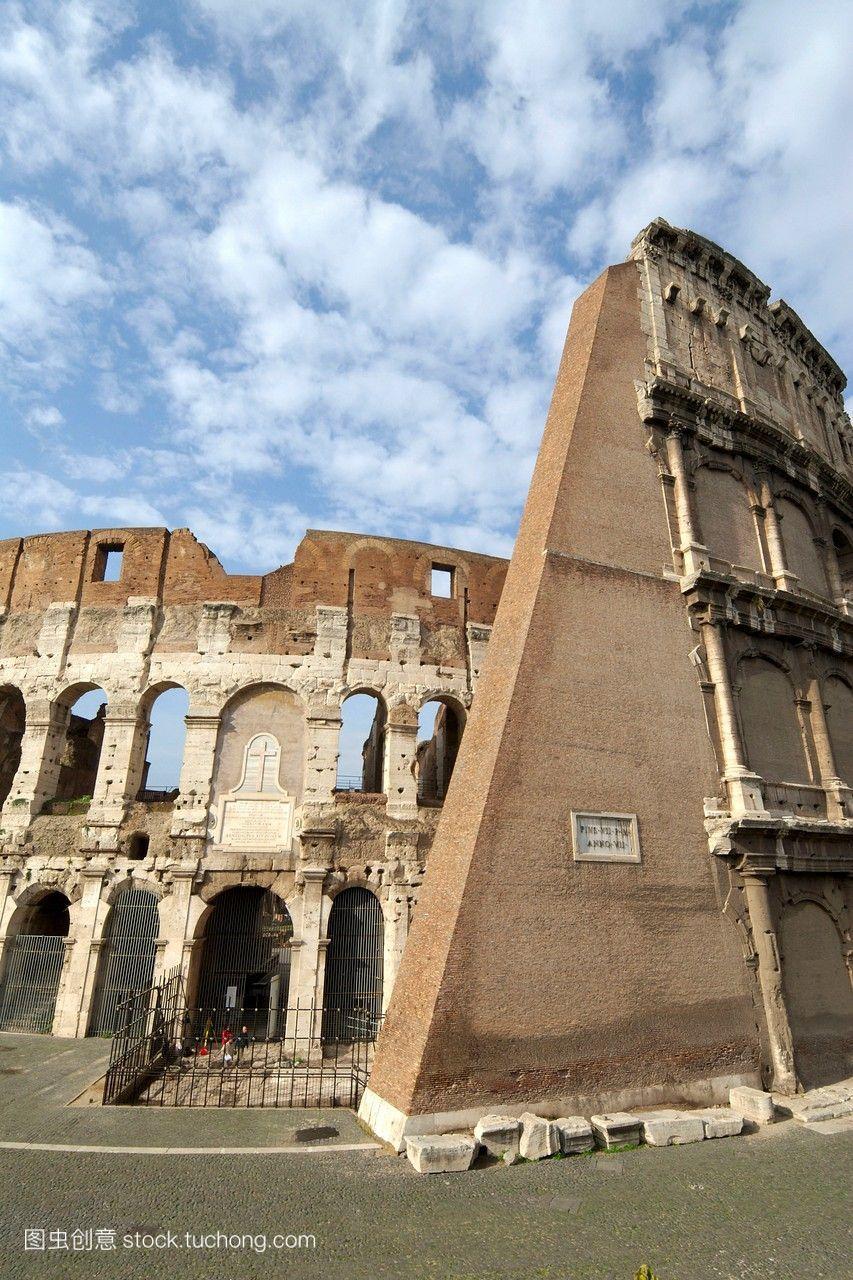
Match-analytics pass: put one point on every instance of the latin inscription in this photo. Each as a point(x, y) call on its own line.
point(256, 824)
point(605, 837)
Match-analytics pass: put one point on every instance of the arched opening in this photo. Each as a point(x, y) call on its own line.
point(12, 717)
point(33, 966)
point(844, 556)
point(801, 551)
point(352, 1001)
point(244, 966)
point(81, 751)
point(128, 953)
point(818, 995)
point(137, 846)
point(726, 520)
point(439, 735)
point(361, 750)
point(771, 730)
point(164, 748)
point(838, 702)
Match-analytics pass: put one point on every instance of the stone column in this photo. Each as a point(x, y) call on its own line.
point(396, 931)
point(72, 1019)
point(400, 781)
point(838, 794)
point(174, 914)
point(744, 786)
point(322, 735)
point(119, 775)
point(782, 576)
point(7, 875)
point(189, 816)
point(305, 991)
point(38, 772)
point(770, 977)
point(63, 987)
point(694, 553)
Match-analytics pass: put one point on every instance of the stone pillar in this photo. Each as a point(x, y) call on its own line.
point(119, 775)
point(189, 816)
point(396, 913)
point(7, 875)
point(770, 977)
point(73, 1018)
point(322, 736)
point(174, 914)
point(305, 991)
point(38, 772)
point(838, 794)
point(694, 553)
point(400, 779)
point(63, 987)
point(744, 787)
point(782, 576)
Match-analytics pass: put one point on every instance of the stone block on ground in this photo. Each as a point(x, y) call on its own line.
point(499, 1135)
point(671, 1128)
point(538, 1137)
point(753, 1104)
point(616, 1129)
point(441, 1153)
point(575, 1135)
point(720, 1122)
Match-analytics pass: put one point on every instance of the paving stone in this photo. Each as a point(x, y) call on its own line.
point(616, 1129)
point(539, 1137)
point(499, 1135)
point(720, 1122)
point(441, 1153)
point(753, 1104)
point(575, 1135)
point(671, 1128)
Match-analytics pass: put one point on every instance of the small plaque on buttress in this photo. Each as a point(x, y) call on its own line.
point(605, 837)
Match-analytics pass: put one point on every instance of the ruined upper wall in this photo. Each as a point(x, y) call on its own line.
point(714, 330)
point(371, 578)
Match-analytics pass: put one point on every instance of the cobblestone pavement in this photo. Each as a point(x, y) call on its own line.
point(765, 1207)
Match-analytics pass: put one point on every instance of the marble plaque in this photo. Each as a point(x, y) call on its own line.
point(262, 822)
point(605, 837)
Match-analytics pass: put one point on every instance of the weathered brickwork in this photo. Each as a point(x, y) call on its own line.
point(270, 655)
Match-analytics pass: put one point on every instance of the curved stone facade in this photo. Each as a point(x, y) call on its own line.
point(267, 663)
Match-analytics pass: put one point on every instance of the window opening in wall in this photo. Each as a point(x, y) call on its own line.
point(361, 749)
point(164, 751)
point(844, 556)
point(12, 716)
point(137, 846)
point(441, 581)
point(81, 751)
point(108, 562)
point(439, 733)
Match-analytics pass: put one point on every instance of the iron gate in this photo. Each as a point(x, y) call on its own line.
point(33, 967)
point(245, 961)
point(127, 958)
point(354, 968)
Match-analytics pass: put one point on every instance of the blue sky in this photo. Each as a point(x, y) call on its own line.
point(272, 265)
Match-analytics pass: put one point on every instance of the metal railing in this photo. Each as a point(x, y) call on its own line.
point(174, 1055)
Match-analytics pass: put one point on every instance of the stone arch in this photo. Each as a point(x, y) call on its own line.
point(769, 722)
point(80, 711)
point(844, 557)
point(361, 741)
point(33, 957)
point(441, 723)
point(243, 959)
point(163, 709)
point(352, 1000)
point(13, 714)
point(837, 694)
point(818, 995)
point(726, 520)
point(128, 951)
point(802, 551)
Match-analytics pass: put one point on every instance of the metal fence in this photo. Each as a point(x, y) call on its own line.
point(30, 982)
point(169, 1055)
point(127, 959)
